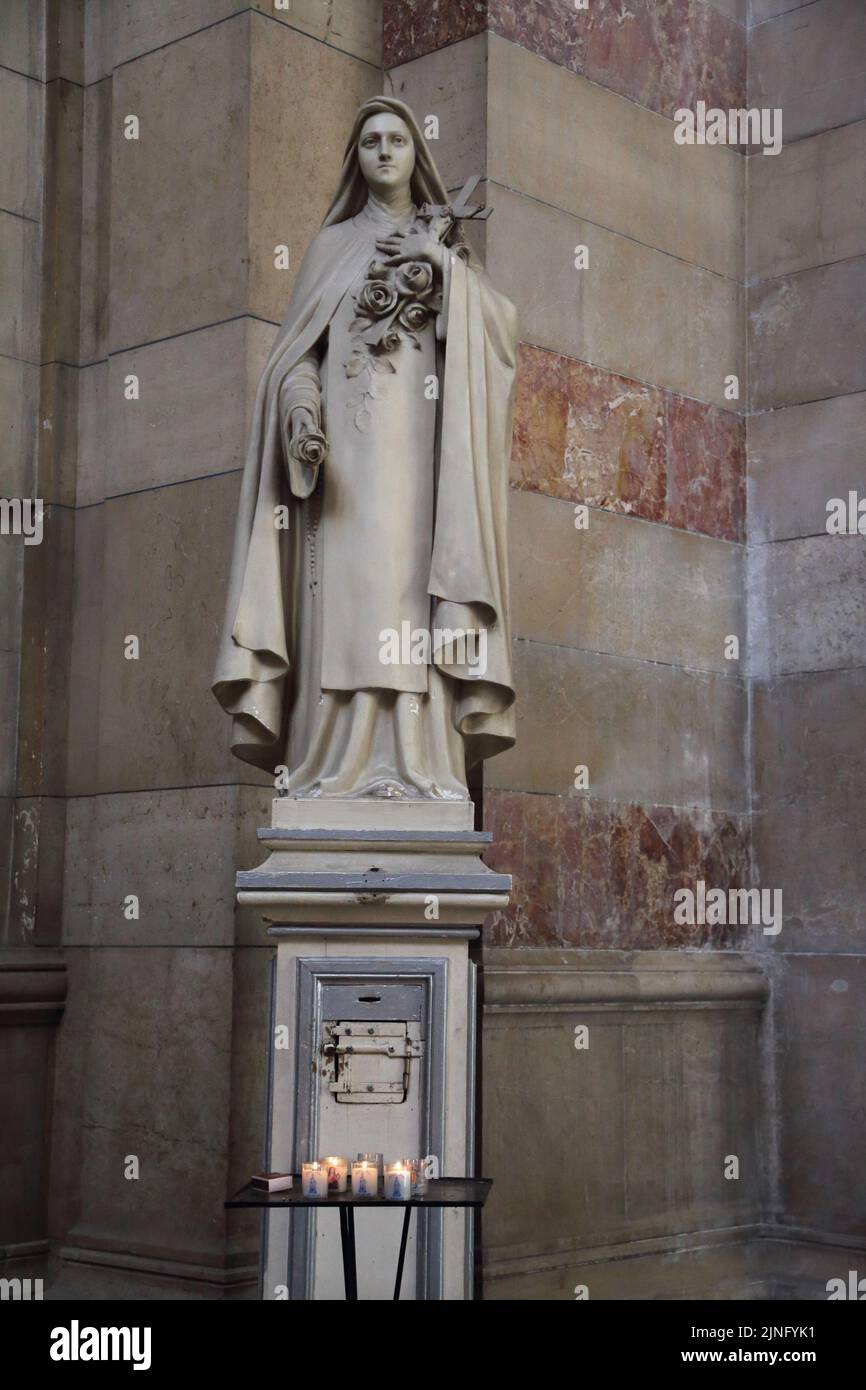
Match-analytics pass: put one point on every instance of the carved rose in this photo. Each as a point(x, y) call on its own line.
point(414, 317)
point(376, 299)
point(415, 278)
point(309, 448)
point(389, 342)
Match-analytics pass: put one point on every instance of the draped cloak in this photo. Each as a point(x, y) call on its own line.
point(256, 673)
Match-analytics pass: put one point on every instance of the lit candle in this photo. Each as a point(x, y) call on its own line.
point(338, 1173)
point(365, 1179)
point(398, 1182)
point(313, 1180)
point(375, 1159)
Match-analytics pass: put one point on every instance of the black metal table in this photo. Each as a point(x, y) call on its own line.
point(440, 1192)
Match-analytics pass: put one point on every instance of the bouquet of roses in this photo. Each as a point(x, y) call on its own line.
point(393, 305)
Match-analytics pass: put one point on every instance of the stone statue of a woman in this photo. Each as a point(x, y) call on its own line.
point(366, 646)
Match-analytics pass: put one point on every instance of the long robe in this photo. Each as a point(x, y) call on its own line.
point(299, 663)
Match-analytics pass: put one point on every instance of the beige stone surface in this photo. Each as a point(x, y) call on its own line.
point(25, 1091)
point(37, 870)
point(22, 117)
point(61, 264)
point(11, 560)
point(354, 26)
point(196, 220)
point(248, 1104)
point(823, 1151)
point(806, 604)
point(798, 459)
point(623, 586)
point(288, 153)
point(19, 288)
point(807, 205)
point(19, 407)
point(93, 433)
point(143, 1068)
point(177, 851)
point(192, 416)
point(451, 84)
point(808, 335)
point(22, 37)
point(811, 62)
point(572, 144)
point(651, 1165)
point(87, 595)
point(802, 1268)
point(647, 732)
point(44, 700)
point(7, 816)
point(635, 310)
point(809, 827)
point(760, 10)
point(701, 1267)
point(734, 9)
point(96, 141)
point(151, 723)
point(179, 252)
point(56, 427)
point(8, 720)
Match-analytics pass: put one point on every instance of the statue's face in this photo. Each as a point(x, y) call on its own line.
point(386, 152)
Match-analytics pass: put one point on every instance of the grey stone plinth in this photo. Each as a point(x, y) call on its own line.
point(365, 862)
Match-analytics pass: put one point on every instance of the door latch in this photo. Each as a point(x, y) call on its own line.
point(369, 1063)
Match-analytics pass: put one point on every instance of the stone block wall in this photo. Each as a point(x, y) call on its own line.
point(620, 635)
point(807, 445)
point(153, 259)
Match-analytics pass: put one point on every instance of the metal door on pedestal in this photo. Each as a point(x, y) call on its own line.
point(370, 1079)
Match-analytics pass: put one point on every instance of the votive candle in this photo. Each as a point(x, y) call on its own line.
point(314, 1180)
point(338, 1173)
point(398, 1182)
point(365, 1179)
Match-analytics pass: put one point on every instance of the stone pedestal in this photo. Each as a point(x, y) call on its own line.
point(373, 905)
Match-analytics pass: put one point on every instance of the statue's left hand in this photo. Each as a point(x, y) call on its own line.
point(412, 246)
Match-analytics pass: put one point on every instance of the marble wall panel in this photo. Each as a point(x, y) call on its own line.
point(601, 875)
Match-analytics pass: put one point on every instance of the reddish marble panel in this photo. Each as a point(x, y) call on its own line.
point(706, 450)
point(413, 27)
point(586, 435)
point(661, 53)
point(603, 875)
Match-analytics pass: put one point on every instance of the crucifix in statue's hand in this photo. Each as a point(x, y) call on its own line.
point(442, 216)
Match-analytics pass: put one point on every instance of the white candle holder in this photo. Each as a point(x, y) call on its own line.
point(314, 1180)
point(398, 1182)
point(338, 1173)
point(365, 1178)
